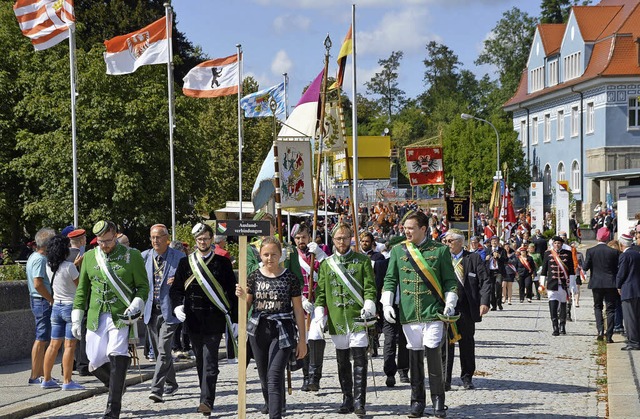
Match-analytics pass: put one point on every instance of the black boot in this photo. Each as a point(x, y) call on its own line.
point(345, 378)
point(120, 365)
point(553, 310)
point(563, 318)
point(416, 375)
point(436, 382)
point(305, 373)
point(316, 357)
point(103, 373)
point(360, 380)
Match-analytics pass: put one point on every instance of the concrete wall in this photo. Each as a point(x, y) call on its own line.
point(16, 321)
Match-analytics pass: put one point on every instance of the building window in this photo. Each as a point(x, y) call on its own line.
point(547, 128)
point(546, 180)
point(590, 118)
point(575, 121)
point(537, 79)
point(561, 175)
point(534, 131)
point(560, 132)
point(575, 176)
point(523, 132)
point(553, 73)
point(634, 113)
point(572, 66)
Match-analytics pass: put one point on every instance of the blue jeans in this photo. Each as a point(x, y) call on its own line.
point(42, 312)
point(61, 321)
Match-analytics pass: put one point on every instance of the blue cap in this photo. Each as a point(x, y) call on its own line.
point(68, 229)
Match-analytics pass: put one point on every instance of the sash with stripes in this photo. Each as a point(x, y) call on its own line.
point(212, 289)
point(560, 263)
point(355, 288)
point(525, 263)
point(459, 269)
point(426, 273)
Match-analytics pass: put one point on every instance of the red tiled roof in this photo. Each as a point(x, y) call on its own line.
point(593, 20)
point(551, 35)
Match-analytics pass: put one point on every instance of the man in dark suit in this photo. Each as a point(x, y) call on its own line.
point(161, 262)
point(379, 264)
point(540, 242)
point(495, 262)
point(602, 261)
point(474, 296)
point(628, 282)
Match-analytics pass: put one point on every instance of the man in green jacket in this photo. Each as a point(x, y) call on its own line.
point(346, 287)
point(112, 287)
point(423, 271)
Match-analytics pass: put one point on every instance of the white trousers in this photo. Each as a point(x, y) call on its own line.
point(315, 332)
point(560, 295)
point(351, 340)
point(420, 335)
point(107, 340)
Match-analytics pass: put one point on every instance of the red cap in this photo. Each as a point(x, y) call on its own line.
point(76, 233)
point(94, 241)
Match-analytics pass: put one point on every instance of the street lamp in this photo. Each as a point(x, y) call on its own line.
point(467, 117)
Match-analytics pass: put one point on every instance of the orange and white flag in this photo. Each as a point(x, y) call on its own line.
point(45, 22)
point(149, 45)
point(212, 78)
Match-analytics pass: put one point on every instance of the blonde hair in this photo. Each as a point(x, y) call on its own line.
point(271, 240)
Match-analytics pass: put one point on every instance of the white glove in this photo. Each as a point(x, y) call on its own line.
point(234, 329)
point(136, 306)
point(319, 317)
point(369, 309)
point(76, 323)
point(179, 312)
point(387, 306)
point(450, 301)
point(543, 280)
point(307, 305)
point(313, 248)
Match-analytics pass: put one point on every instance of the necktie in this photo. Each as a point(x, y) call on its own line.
point(158, 275)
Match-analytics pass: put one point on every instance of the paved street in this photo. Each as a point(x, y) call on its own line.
point(522, 372)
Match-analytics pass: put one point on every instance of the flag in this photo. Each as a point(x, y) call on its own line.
point(125, 53)
point(424, 165)
point(213, 78)
point(345, 50)
point(45, 22)
point(257, 104)
point(453, 188)
point(302, 122)
point(507, 215)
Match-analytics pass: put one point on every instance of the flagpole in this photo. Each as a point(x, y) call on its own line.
point(74, 152)
point(286, 98)
point(471, 223)
point(240, 143)
point(354, 116)
point(168, 14)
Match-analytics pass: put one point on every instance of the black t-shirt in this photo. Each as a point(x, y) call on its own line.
point(273, 295)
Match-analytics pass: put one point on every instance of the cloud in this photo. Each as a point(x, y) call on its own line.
point(291, 23)
point(281, 63)
point(402, 30)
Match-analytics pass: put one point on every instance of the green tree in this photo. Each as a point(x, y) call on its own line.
point(385, 84)
point(557, 11)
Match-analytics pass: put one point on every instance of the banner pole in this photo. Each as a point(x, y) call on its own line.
point(74, 152)
point(168, 14)
point(240, 142)
point(354, 116)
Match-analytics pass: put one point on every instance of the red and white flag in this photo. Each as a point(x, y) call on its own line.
point(45, 22)
point(507, 214)
point(149, 45)
point(424, 165)
point(213, 78)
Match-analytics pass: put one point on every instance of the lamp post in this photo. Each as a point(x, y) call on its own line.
point(467, 117)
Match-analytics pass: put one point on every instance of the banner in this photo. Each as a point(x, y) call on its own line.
point(212, 78)
point(147, 46)
point(296, 174)
point(335, 129)
point(536, 196)
point(562, 209)
point(45, 22)
point(458, 209)
point(257, 104)
point(424, 165)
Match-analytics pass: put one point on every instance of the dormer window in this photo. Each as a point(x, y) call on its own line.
point(553, 73)
point(572, 66)
point(537, 79)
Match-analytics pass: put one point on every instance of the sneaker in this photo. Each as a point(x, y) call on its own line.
point(34, 381)
point(170, 391)
point(157, 398)
point(72, 385)
point(232, 361)
point(51, 384)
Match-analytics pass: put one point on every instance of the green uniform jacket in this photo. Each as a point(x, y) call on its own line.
point(417, 302)
point(94, 291)
point(332, 293)
point(292, 263)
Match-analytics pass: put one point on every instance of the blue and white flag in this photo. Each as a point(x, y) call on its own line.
point(257, 104)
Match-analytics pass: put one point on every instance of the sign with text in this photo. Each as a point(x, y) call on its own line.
point(536, 206)
point(246, 228)
point(458, 209)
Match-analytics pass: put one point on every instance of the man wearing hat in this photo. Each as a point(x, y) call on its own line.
point(421, 273)
point(474, 297)
point(78, 240)
point(557, 274)
point(526, 269)
point(346, 292)
point(602, 261)
point(203, 297)
point(628, 283)
point(112, 286)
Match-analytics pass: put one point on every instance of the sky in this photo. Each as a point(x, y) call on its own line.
point(280, 36)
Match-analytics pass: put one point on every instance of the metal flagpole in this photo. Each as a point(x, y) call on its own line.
point(168, 13)
point(354, 116)
point(240, 143)
point(286, 115)
point(74, 153)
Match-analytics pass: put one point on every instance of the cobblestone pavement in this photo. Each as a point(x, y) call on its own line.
point(522, 372)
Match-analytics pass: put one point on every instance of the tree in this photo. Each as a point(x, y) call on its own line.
point(385, 84)
point(557, 11)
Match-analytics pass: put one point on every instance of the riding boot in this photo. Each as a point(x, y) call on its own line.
point(316, 358)
point(345, 378)
point(360, 380)
point(103, 373)
point(416, 376)
point(120, 365)
point(563, 318)
point(553, 310)
point(305, 373)
point(436, 383)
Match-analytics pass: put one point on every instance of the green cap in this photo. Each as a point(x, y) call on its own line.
point(100, 228)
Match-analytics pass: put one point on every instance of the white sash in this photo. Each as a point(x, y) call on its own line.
point(207, 286)
point(343, 276)
point(113, 279)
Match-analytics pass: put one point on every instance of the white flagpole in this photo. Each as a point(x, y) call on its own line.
point(72, 67)
point(354, 116)
point(286, 97)
point(168, 13)
point(240, 143)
